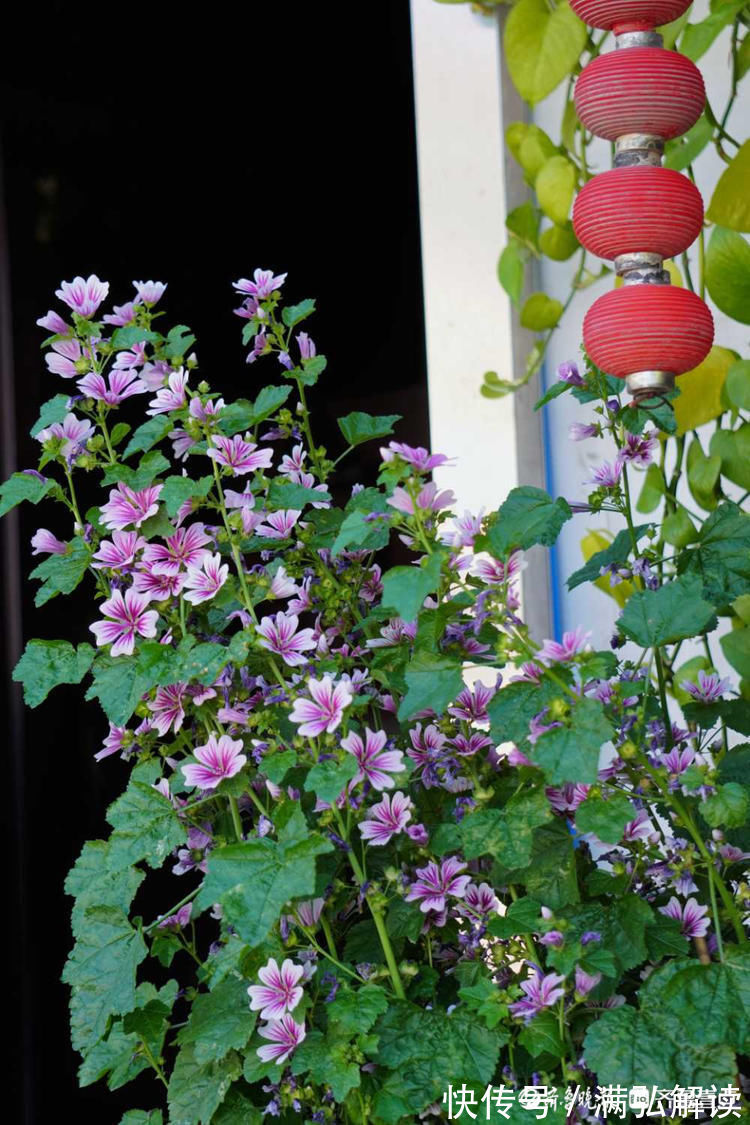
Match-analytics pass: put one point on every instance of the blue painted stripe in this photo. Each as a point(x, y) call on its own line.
point(556, 592)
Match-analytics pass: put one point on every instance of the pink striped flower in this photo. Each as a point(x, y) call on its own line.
point(205, 411)
point(185, 548)
point(556, 652)
point(218, 759)
point(386, 819)
point(205, 581)
point(167, 708)
point(128, 358)
point(428, 499)
point(127, 617)
point(471, 704)
point(73, 432)
point(278, 525)
point(421, 459)
point(375, 762)
point(159, 586)
point(435, 882)
point(61, 360)
point(691, 916)
point(709, 688)
point(171, 397)
point(310, 911)
point(119, 554)
point(113, 743)
point(238, 454)
point(540, 992)
point(263, 284)
point(53, 322)
point(282, 584)
point(121, 385)
point(279, 635)
point(44, 542)
point(122, 315)
point(481, 898)
point(279, 992)
point(149, 292)
point(325, 710)
point(83, 297)
point(285, 1034)
point(126, 506)
point(493, 571)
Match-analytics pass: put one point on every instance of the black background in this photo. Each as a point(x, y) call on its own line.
point(147, 142)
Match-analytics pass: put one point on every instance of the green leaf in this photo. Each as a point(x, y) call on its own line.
point(353, 1012)
point(24, 486)
point(606, 819)
point(736, 648)
point(510, 269)
point(145, 823)
point(293, 314)
point(523, 221)
point(630, 1047)
point(130, 334)
point(142, 1117)
point(285, 494)
point(148, 435)
point(196, 1090)
point(703, 475)
point(328, 779)
point(555, 187)
point(119, 684)
point(358, 427)
point(542, 1036)
point(557, 389)
point(53, 410)
point(101, 970)
point(506, 834)
point(60, 574)
point(254, 881)
point(515, 705)
point(529, 516)
point(541, 46)
point(727, 808)
point(618, 552)
point(558, 242)
point(219, 1021)
point(551, 876)
point(358, 529)
point(540, 312)
point(700, 399)
point(678, 529)
point(532, 148)
point(406, 587)
point(713, 1000)
point(652, 490)
point(432, 682)
point(236, 1109)
point(698, 37)
point(93, 881)
point(728, 273)
point(733, 447)
point(672, 613)
point(328, 1062)
point(178, 342)
point(734, 712)
point(149, 467)
point(46, 664)
point(522, 916)
point(423, 1046)
point(721, 558)
point(684, 150)
point(177, 490)
point(570, 753)
point(737, 384)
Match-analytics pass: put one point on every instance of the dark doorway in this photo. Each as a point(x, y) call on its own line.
point(147, 142)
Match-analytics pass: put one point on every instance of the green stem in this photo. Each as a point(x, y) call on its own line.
point(73, 499)
point(330, 942)
point(234, 809)
point(334, 960)
point(153, 1062)
point(172, 910)
point(307, 429)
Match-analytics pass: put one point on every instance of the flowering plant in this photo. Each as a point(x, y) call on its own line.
point(410, 845)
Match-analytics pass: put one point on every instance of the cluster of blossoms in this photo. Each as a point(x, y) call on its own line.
point(383, 752)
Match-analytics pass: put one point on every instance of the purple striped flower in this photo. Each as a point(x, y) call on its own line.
point(121, 315)
point(278, 525)
point(184, 548)
point(73, 432)
point(113, 390)
point(421, 459)
point(64, 357)
point(44, 542)
point(471, 704)
point(53, 322)
point(279, 991)
point(149, 292)
point(586, 982)
point(171, 397)
point(324, 712)
point(691, 916)
point(540, 992)
point(375, 762)
point(238, 454)
point(204, 582)
point(167, 708)
point(159, 586)
point(285, 1034)
point(709, 688)
point(555, 652)
point(264, 283)
point(83, 296)
point(127, 506)
point(113, 743)
point(126, 617)
point(279, 635)
point(435, 882)
point(482, 898)
point(386, 819)
point(218, 759)
point(119, 554)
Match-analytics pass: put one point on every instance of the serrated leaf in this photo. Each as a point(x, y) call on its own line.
point(146, 826)
point(219, 1021)
point(177, 490)
point(672, 613)
point(148, 435)
point(358, 427)
point(24, 486)
point(196, 1090)
point(46, 664)
point(618, 552)
point(60, 574)
point(53, 410)
point(570, 753)
point(432, 682)
point(406, 587)
point(528, 516)
point(93, 881)
point(328, 779)
point(605, 818)
point(353, 1012)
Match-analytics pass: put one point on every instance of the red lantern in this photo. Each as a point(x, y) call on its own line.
point(648, 328)
point(638, 209)
point(644, 90)
point(628, 15)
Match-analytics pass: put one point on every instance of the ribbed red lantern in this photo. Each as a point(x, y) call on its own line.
point(628, 15)
point(648, 328)
point(638, 209)
point(640, 90)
